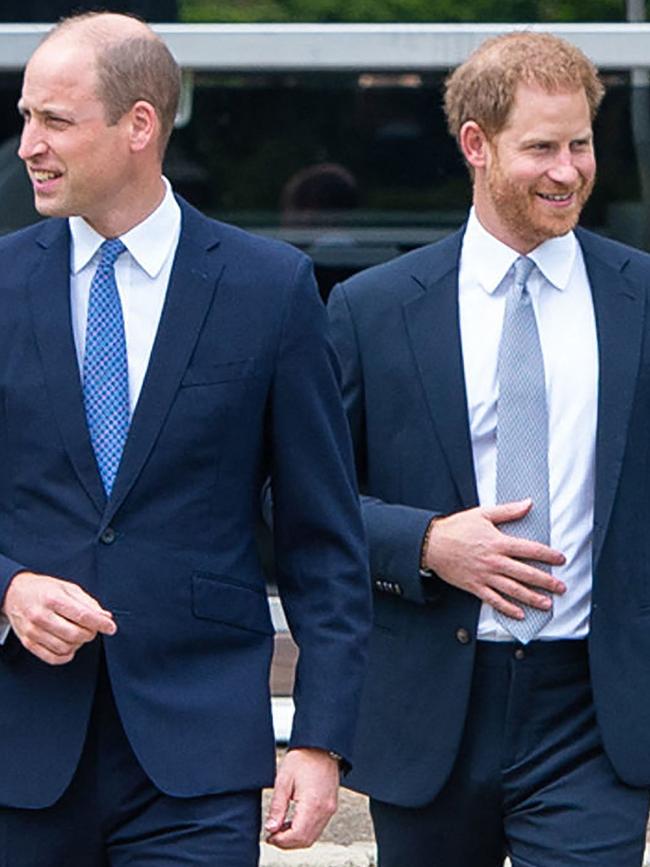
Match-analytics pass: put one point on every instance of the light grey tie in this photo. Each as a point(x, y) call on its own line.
point(522, 433)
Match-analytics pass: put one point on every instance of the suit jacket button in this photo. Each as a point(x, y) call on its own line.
point(463, 636)
point(108, 536)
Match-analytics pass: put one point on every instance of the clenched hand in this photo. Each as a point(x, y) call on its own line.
point(308, 780)
point(53, 618)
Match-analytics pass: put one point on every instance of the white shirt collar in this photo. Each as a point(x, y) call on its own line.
point(149, 243)
point(486, 260)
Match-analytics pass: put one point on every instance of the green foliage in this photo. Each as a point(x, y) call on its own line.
point(401, 10)
point(232, 11)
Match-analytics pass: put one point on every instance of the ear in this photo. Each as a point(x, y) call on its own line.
point(144, 125)
point(474, 144)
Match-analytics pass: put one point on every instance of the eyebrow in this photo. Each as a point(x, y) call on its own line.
point(587, 135)
point(43, 110)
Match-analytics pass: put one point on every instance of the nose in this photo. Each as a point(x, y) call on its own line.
point(31, 142)
point(564, 171)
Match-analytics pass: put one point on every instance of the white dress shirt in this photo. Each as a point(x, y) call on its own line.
point(142, 275)
point(562, 301)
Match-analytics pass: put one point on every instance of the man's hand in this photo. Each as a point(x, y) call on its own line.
point(467, 549)
point(308, 779)
point(53, 618)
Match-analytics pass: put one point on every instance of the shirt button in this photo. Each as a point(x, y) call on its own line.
point(463, 636)
point(520, 653)
point(108, 536)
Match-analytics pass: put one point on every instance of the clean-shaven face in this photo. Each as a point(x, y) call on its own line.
point(77, 163)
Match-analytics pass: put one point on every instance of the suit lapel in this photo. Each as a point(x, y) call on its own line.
point(192, 285)
point(49, 298)
point(619, 310)
point(432, 322)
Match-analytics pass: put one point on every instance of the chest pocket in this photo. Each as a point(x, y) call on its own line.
point(212, 374)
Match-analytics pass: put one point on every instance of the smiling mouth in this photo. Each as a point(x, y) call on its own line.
point(556, 197)
point(41, 176)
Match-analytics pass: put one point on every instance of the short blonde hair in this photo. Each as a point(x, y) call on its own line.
point(483, 88)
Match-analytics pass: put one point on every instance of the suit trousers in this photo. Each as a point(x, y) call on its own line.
point(111, 815)
point(531, 779)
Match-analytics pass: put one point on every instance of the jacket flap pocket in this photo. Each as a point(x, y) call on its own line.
point(214, 597)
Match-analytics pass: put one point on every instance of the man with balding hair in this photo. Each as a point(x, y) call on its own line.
point(155, 367)
point(498, 392)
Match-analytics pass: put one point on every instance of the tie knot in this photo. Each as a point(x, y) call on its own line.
point(523, 267)
point(110, 250)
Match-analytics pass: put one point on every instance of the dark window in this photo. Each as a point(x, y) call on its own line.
point(354, 168)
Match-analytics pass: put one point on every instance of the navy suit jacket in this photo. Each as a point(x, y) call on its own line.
point(241, 384)
point(396, 330)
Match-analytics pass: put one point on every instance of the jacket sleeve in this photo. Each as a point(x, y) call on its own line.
point(395, 531)
point(320, 548)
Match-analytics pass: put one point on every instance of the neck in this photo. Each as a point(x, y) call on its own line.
point(139, 203)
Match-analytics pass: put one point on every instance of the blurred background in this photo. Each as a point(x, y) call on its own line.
point(351, 162)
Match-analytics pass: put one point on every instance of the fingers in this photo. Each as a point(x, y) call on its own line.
point(518, 547)
point(278, 815)
point(46, 655)
point(468, 550)
point(305, 827)
point(308, 779)
point(511, 581)
point(83, 611)
point(528, 574)
point(502, 604)
point(54, 618)
point(505, 593)
point(61, 636)
point(508, 511)
point(526, 549)
point(46, 645)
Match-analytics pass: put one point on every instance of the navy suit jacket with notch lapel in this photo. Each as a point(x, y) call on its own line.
point(396, 330)
point(241, 383)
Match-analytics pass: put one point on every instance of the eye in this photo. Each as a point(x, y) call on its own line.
point(55, 122)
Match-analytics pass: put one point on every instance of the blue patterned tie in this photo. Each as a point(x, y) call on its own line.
point(522, 434)
point(105, 370)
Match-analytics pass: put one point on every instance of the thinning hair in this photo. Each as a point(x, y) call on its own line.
point(483, 88)
point(130, 67)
